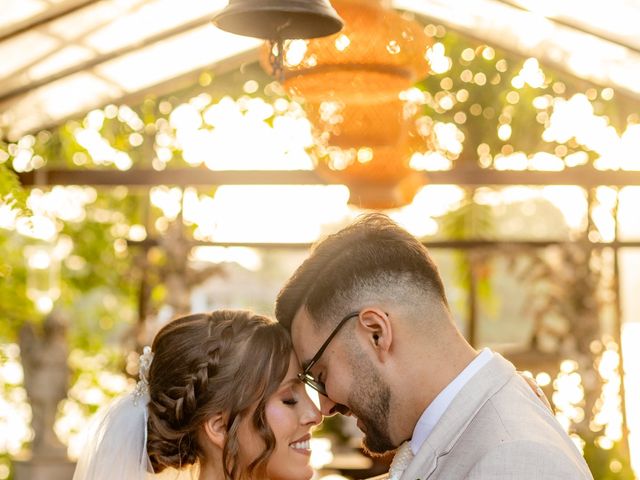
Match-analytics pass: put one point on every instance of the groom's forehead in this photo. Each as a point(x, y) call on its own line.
point(305, 335)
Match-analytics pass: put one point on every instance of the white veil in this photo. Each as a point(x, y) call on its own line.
point(116, 446)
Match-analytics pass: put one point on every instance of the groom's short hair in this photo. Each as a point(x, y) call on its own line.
point(370, 258)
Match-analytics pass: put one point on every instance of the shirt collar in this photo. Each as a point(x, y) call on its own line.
point(439, 405)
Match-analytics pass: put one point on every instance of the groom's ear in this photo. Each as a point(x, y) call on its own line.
point(376, 326)
point(216, 429)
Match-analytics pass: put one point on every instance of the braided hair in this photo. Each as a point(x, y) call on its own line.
point(228, 361)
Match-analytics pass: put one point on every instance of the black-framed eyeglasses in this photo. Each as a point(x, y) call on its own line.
point(306, 377)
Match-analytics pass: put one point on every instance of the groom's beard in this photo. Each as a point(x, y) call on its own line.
point(370, 402)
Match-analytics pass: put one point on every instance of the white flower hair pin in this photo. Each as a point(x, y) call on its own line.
point(144, 365)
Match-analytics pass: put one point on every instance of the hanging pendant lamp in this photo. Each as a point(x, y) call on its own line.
point(351, 85)
point(279, 19)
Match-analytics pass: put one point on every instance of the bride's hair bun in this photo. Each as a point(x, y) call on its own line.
point(228, 361)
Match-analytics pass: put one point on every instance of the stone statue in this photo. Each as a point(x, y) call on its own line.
point(46, 380)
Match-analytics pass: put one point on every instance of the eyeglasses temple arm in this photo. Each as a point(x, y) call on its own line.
point(324, 346)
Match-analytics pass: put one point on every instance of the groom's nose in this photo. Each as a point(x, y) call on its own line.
point(329, 408)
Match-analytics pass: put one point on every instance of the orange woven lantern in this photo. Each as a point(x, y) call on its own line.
point(351, 84)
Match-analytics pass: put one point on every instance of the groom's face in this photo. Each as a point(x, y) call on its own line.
point(353, 385)
point(369, 401)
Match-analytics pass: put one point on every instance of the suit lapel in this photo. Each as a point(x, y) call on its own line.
point(480, 388)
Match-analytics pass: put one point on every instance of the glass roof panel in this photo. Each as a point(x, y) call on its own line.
point(64, 58)
point(616, 20)
point(528, 33)
point(56, 101)
point(75, 26)
point(150, 19)
point(115, 48)
point(174, 57)
point(19, 52)
point(14, 11)
point(98, 29)
point(112, 80)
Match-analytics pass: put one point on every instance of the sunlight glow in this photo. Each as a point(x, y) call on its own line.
point(321, 454)
point(216, 137)
point(248, 258)
point(515, 161)
point(519, 161)
point(101, 150)
point(628, 217)
point(246, 213)
point(168, 199)
point(296, 50)
point(430, 202)
point(531, 74)
point(572, 202)
point(630, 342)
point(575, 118)
point(448, 137)
point(568, 395)
point(15, 412)
point(438, 61)
point(43, 276)
point(432, 161)
point(49, 210)
point(8, 214)
point(609, 413)
point(602, 213)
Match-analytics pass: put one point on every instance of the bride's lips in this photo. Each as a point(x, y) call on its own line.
point(302, 445)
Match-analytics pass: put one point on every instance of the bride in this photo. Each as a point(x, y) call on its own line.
point(218, 392)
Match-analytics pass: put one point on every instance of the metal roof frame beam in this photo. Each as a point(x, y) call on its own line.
point(586, 177)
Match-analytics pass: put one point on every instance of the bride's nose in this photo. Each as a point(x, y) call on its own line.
point(311, 414)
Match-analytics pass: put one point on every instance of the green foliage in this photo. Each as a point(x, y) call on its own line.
point(100, 282)
point(484, 98)
point(612, 464)
point(100, 373)
point(16, 306)
point(14, 197)
point(332, 427)
point(14, 411)
point(10, 188)
point(471, 221)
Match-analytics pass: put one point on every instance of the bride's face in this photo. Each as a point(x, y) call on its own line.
point(290, 414)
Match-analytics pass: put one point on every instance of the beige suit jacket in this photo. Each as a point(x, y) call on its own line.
point(496, 428)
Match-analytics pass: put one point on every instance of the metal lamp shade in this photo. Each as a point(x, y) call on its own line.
point(279, 19)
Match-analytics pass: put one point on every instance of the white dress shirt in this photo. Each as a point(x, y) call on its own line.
point(436, 409)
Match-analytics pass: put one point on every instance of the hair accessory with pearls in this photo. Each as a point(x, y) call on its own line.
point(144, 365)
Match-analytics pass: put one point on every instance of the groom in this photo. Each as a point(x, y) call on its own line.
point(371, 325)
